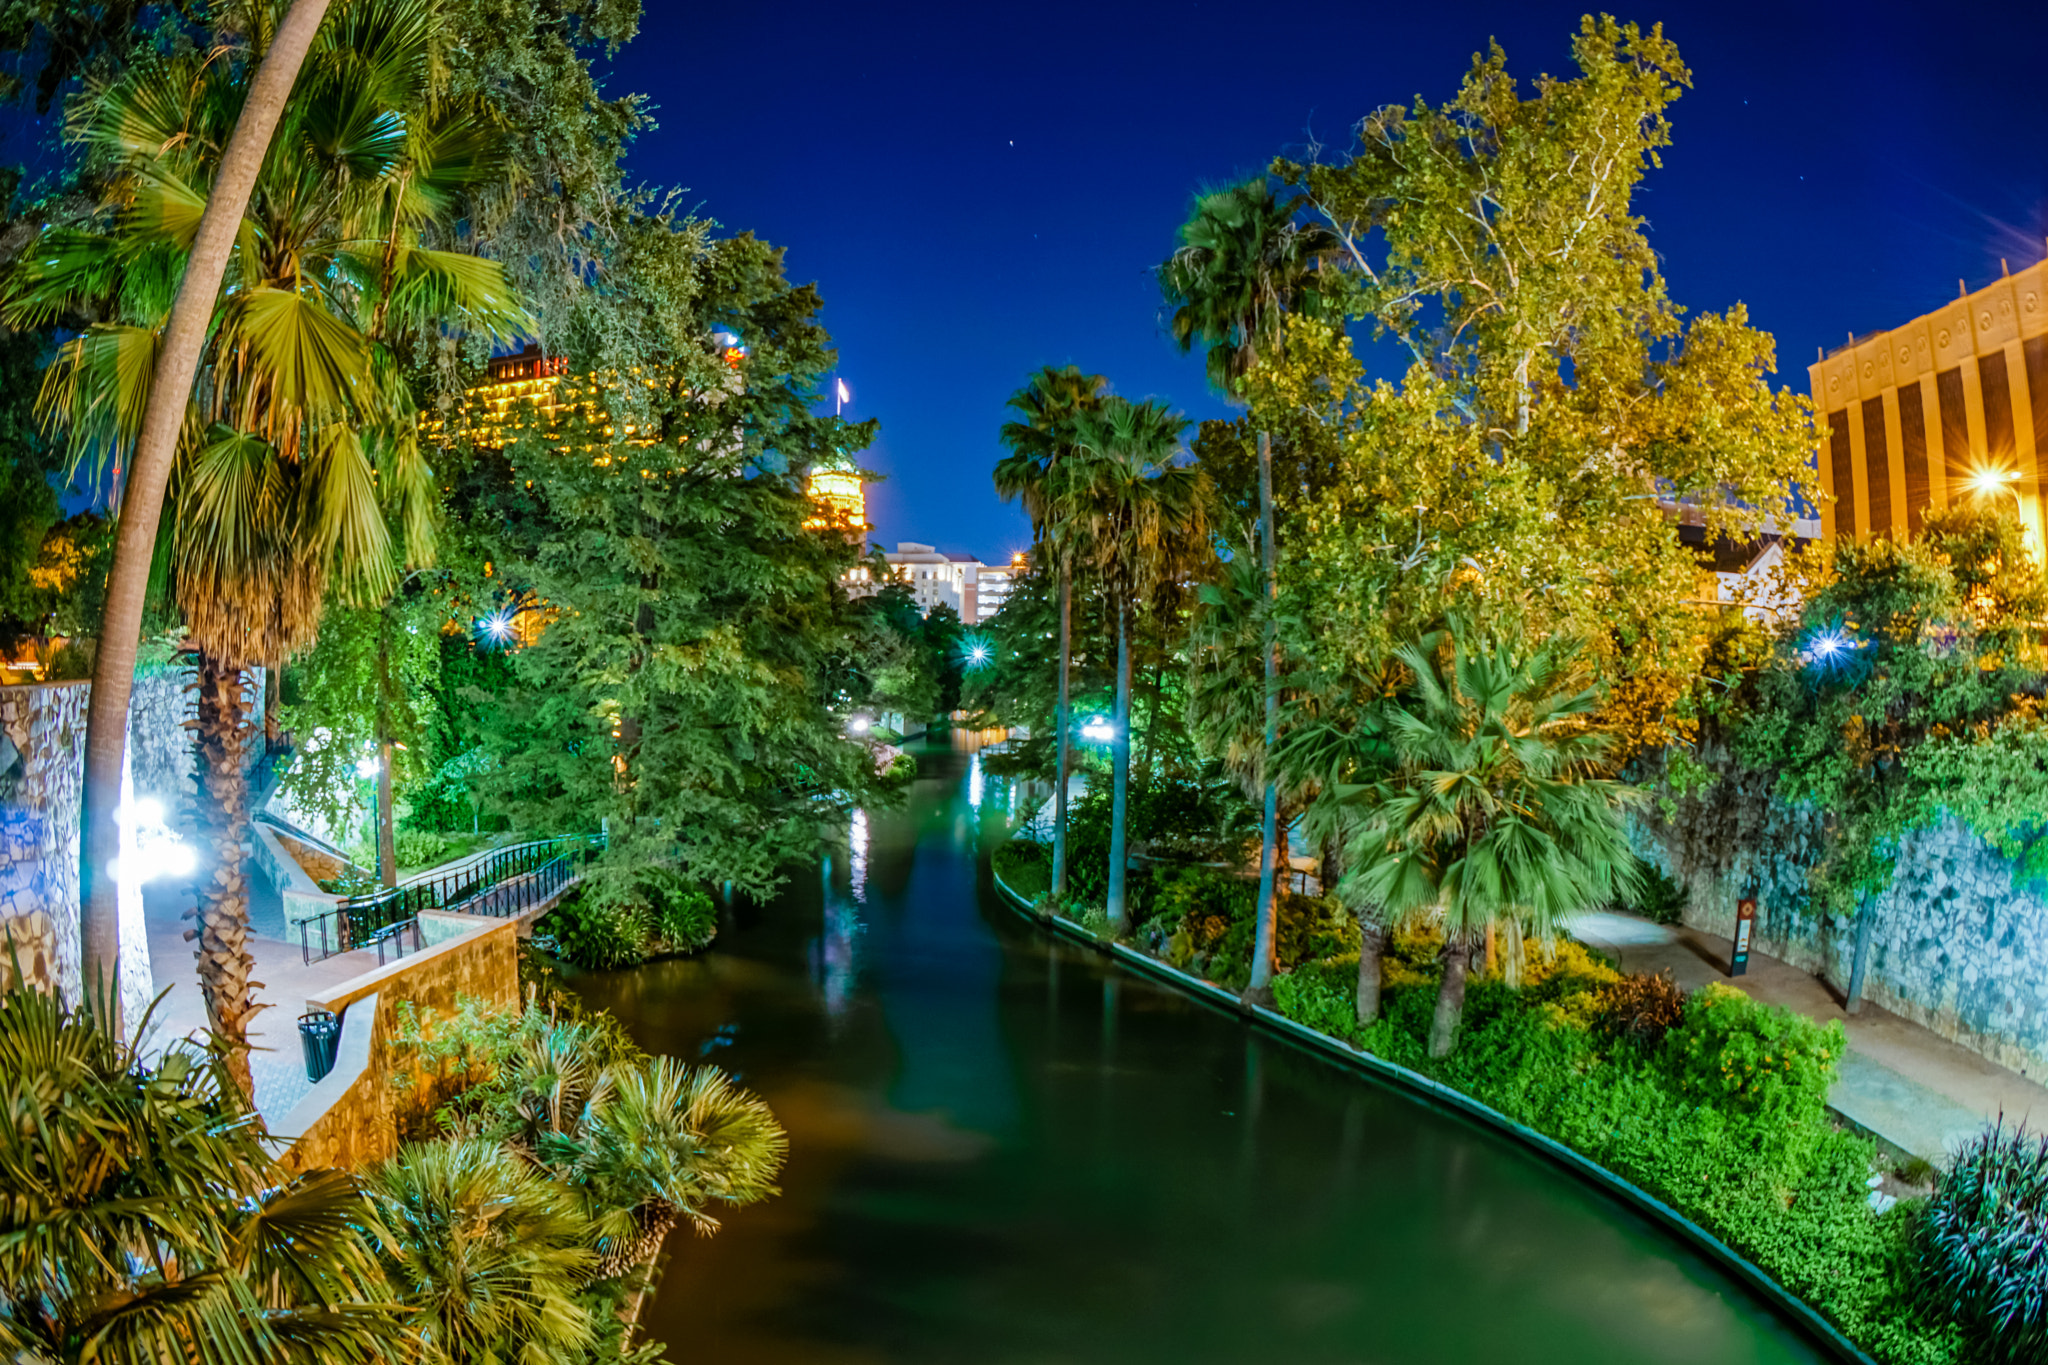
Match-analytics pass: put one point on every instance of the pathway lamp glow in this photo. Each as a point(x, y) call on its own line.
point(1098, 730)
point(976, 652)
point(155, 848)
point(858, 725)
point(1990, 481)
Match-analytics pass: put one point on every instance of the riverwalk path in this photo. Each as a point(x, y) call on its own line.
point(1903, 1083)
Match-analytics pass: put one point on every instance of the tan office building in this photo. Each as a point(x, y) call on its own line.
point(1950, 406)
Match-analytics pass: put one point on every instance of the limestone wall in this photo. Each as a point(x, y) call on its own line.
point(348, 1118)
point(42, 761)
point(1957, 945)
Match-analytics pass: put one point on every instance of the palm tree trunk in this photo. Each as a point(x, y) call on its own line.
point(1063, 722)
point(1259, 989)
point(222, 814)
point(1450, 996)
point(1120, 760)
point(1372, 949)
point(177, 365)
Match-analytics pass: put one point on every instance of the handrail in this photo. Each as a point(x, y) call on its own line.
point(501, 883)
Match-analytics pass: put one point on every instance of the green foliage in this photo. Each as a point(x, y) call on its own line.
point(1641, 1009)
point(901, 769)
point(217, 1254)
point(1986, 1244)
point(484, 1254)
point(1658, 898)
point(1025, 866)
point(1553, 381)
point(625, 914)
point(1748, 1153)
point(1907, 687)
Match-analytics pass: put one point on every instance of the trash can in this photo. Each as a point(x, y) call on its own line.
point(320, 1035)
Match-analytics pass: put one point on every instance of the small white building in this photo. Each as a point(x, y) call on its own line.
point(936, 576)
point(995, 582)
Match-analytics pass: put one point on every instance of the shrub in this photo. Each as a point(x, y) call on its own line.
point(1025, 867)
point(900, 770)
point(1758, 1060)
point(1661, 899)
point(418, 848)
point(605, 927)
point(1640, 1009)
point(1321, 994)
point(687, 920)
point(1986, 1244)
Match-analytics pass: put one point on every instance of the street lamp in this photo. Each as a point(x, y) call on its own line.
point(1997, 481)
point(858, 725)
point(1098, 730)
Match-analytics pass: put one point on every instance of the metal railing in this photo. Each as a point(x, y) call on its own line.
point(502, 883)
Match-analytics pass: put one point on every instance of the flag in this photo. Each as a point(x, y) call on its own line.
point(844, 396)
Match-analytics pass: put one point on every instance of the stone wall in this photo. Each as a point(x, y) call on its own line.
point(349, 1118)
point(42, 761)
point(1957, 945)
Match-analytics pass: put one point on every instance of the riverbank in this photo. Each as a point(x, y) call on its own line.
point(1785, 1203)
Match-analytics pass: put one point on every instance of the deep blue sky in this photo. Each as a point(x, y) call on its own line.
point(980, 189)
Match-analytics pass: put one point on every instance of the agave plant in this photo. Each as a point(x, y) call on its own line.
point(144, 1222)
point(1986, 1243)
point(299, 467)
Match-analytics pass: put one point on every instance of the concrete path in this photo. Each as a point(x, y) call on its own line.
point(1908, 1085)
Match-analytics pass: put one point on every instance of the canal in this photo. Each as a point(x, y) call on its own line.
point(1004, 1151)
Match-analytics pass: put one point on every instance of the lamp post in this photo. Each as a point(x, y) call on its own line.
point(1986, 481)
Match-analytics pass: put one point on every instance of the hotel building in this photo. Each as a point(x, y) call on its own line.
point(1951, 405)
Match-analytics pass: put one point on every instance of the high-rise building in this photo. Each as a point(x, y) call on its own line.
point(995, 582)
point(1949, 406)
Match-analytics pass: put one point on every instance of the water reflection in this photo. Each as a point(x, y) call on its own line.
point(1004, 1151)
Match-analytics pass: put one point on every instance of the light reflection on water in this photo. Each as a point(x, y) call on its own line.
point(1004, 1151)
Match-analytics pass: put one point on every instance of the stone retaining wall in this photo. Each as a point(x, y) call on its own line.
point(1957, 944)
point(42, 763)
point(349, 1118)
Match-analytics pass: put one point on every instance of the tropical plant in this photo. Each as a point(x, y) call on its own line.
point(1139, 520)
point(661, 1143)
point(1245, 264)
point(1985, 1248)
point(299, 462)
point(1049, 406)
point(172, 360)
point(143, 1220)
point(1494, 813)
point(485, 1254)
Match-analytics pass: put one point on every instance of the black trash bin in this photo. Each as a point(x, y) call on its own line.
point(320, 1035)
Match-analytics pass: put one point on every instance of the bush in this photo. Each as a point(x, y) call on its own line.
point(418, 848)
point(900, 770)
point(1986, 1244)
point(686, 919)
point(1661, 899)
point(1764, 1063)
point(605, 927)
point(1025, 867)
point(1640, 1009)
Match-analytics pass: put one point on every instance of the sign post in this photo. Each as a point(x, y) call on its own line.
point(1745, 928)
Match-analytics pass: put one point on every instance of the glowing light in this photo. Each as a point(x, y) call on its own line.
point(976, 651)
point(498, 625)
point(1099, 730)
point(149, 848)
point(367, 767)
point(859, 725)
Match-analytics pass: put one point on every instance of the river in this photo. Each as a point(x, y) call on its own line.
point(1005, 1151)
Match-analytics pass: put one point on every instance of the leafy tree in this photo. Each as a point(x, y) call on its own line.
point(1909, 685)
point(1045, 435)
point(1492, 813)
point(144, 1219)
point(1243, 266)
point(1556, 413)
point(1140, 519)
point(680, 690)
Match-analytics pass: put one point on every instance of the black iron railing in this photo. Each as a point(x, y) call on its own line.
point(501, 883)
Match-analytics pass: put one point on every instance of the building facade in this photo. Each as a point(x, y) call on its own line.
point(1952, 405)
point(995, 583)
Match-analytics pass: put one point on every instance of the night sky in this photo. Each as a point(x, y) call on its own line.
point(980, 189)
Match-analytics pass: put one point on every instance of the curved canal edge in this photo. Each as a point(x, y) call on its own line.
point(1818, 1329)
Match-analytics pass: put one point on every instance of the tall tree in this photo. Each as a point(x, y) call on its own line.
point(1049, 407)
point(300, 465)
point(1494, 810)
point(1243, 266)
point(172, 363)
point(1140, 519)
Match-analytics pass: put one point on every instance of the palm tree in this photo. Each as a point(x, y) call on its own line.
point(1049, 404)
point(155, 442)
point(1141, 522)
point(143, 1219)
point(1494, 811)
point(299, 466)
point(485, 1253)
point(1242, 266)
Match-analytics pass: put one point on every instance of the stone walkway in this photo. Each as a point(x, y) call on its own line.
point(1908, 1085)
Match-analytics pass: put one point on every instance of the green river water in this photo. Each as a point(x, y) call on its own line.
point(1005, 1151)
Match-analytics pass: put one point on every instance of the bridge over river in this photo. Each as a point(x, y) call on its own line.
point(1006, 1151)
